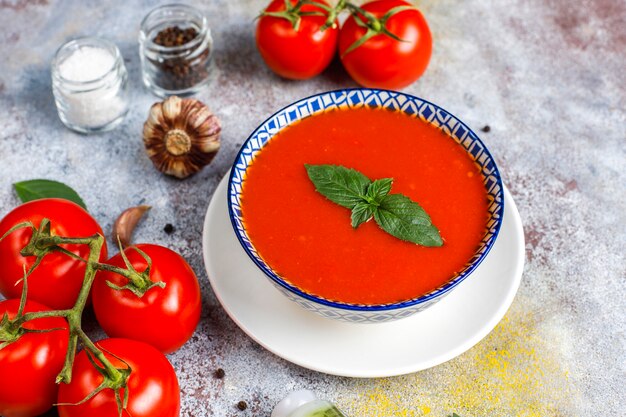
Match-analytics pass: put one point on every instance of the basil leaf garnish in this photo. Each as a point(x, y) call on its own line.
point(343, 186)
point(36, 189)
point(406, 220)
point(396, 214)
point(379, 188)
point(361, 213)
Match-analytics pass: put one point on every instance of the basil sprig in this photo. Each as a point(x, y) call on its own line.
point(396, 214)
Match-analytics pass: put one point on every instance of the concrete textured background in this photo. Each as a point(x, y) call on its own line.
point(549, 77)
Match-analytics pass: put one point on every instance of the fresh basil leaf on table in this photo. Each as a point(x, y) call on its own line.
point(39, 188)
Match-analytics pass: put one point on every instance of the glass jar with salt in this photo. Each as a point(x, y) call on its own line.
point(90, 85)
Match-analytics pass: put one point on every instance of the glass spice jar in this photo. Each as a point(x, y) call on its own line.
point(304, 403)
point(175, 47)
point(90, 85)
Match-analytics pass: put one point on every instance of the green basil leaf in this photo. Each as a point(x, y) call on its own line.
point(379, 188)
point(361, 213)
point(340, 185)
point(36, 189)
point(396, 214)
point(406, 220)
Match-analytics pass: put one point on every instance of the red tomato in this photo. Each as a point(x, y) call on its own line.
point(29, 366)
point(152, 385)
point(163, 317)
point(57, 281)
point(296, 54)
point(384, 62)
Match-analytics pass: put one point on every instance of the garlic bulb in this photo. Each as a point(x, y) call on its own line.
point(181, 136)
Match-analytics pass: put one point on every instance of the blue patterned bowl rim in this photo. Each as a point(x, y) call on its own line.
point(459, 131)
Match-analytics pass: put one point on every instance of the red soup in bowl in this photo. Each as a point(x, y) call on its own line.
point(308, 240)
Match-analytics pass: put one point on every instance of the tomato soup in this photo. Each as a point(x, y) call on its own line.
point(309, 241)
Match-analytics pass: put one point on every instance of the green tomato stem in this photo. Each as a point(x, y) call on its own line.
point(372, 24)
point(74, 317)
point(65, 375)
point(41, 314)
point(9, 333)
point(135, 278)
point(42, 243)
point(114, 375)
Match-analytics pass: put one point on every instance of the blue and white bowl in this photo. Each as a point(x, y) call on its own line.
point(353, 98)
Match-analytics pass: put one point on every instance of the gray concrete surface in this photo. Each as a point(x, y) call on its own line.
point(548, 77)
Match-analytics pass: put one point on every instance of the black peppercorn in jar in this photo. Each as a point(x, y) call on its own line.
point(175, 48)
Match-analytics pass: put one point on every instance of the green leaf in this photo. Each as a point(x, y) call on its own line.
point(36, 189)
point(340, 185)
point(361, 213)
point(394, 213)
point(406, 220)
point(379, 189)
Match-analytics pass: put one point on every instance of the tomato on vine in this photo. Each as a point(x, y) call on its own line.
point(30, 364)
point(294, 38)
point(385, 44)
point(57, 280)
point(151, 389)
point(162, 308)
point(38, 345)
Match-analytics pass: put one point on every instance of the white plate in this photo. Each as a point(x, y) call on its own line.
point(421, 341)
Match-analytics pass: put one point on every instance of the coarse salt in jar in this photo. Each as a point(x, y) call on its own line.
point(90, 85)
point(175, 47)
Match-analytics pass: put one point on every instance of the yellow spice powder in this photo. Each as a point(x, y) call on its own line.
point(518, 370)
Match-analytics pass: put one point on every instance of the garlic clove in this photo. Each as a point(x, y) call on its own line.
point(125, 224)
point(171, 108)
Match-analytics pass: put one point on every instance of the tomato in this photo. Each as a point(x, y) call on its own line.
point(57, 281)
point(29, 366)
point(163, 317)
point(153, 389)
point(384, 62)
point(296, 54)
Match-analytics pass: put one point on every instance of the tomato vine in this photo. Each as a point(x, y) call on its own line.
point(293, 12)
point(42, 242)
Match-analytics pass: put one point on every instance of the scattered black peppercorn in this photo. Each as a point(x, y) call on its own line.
point(242, 405)
point(169, 228)
point(184, 68)
point(219, 374)
point(486, 129)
